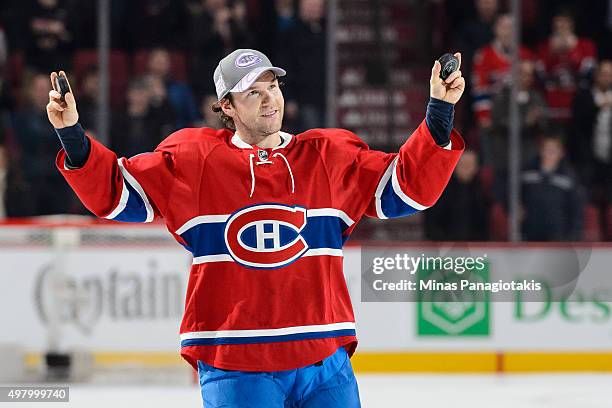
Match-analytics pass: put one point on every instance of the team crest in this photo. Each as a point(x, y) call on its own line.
point(263, 155)
point(266, 236)
point(246, 59)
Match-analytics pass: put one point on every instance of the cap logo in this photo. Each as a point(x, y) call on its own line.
point(246, 59)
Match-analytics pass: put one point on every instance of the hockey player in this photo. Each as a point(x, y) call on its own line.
point(268, 320)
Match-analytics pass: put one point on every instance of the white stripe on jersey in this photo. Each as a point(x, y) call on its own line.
point(226, 258)
point(268, 332)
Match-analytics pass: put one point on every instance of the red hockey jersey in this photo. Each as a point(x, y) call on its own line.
point(490, 72)
point(563, 72)
point(266, 229)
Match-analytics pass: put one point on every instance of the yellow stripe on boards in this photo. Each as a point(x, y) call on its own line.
point(403, 362)
point(153, 359)
point(524, 362)
point(368, 362)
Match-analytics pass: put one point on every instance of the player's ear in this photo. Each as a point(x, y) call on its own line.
point(227, 107)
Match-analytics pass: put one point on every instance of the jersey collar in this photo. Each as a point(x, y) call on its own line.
point(238, 142)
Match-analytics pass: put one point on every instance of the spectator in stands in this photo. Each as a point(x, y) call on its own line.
point(215, 28)
point(147, 119)
point(178, 93)
point(551, 196)
point(302, 51)
point(565, 62)
point(285, 14)
point(48, 36)
point(532, 114)
point(491, 69)
point(38, 147)
point(478, 32)
point(461, 214)
point(590, 144)
point(472, 35)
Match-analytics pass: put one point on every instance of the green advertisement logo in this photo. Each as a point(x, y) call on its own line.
point(443, 309)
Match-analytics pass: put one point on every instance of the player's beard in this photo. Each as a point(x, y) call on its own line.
point(265, 127)
point(257, 127)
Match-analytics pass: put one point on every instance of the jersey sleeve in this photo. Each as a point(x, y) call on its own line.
point(416, 177)
point(121, 189)
point(389, 185)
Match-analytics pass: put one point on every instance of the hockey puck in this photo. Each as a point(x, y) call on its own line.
point(62, 86)
point(449, 64)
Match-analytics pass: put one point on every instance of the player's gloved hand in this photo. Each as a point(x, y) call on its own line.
point(450, 90)
point(61, 114)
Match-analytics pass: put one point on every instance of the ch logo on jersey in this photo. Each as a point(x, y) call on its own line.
point(266, 236)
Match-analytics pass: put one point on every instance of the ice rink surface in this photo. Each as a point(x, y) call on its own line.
point(422, 391)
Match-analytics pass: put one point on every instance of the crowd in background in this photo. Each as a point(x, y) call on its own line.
point(164, 53)
point(564, 100)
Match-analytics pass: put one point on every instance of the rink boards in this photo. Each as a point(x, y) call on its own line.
point(124, 303)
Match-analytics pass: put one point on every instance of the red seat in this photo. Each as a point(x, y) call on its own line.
point(178, 64)
point(118, 64)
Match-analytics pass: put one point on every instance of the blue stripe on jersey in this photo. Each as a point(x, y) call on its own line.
point(135, 210)
point(267, 339)
point(206, 239)
point(319, 232)
point(392, 205)
point(324, 232)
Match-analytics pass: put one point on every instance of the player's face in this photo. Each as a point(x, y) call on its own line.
point(259, 110)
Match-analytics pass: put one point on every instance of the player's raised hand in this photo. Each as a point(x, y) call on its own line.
point(61, 113)
point(449, 90)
